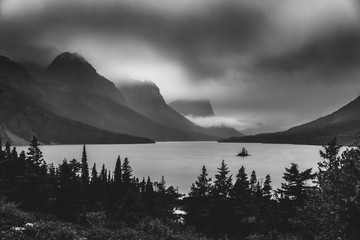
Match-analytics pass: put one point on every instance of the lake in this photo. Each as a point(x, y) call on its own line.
point(181, 162)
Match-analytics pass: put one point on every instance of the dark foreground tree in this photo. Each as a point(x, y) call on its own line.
point(333, 209)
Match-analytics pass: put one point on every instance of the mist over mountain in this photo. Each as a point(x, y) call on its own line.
point(24, 114)
point(196, 108)
point(71, 72)
point(145, 98)
point(343, 123)
point(76, 91)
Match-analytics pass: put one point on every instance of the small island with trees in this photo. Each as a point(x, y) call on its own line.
point(243, 153)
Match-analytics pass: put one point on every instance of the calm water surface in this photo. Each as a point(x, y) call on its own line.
point(181, 162)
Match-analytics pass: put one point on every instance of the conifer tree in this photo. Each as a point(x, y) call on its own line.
point(118, 173)
point(295, 187)
point(103, 175)
point(241, 186)
point(84, 168)
point(142, 186)
point(202, 186)
point(149, 196)
point(8, 149)
point(161, 186)
point(94, 175)
point(34, 155)
point(126, 172)
point(223, 182)
point(22, 160)
point(267, 187)
point(253, 181)
point(14, 154)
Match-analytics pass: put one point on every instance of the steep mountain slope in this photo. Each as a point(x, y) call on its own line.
point(196, 108)
point(71, 71)
point(76, 91)
point(343, 123)
point(23, 114)
point(145, 98)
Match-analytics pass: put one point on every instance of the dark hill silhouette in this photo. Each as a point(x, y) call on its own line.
point(343, 123)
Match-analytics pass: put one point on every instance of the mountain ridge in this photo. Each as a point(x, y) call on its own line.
point(23, 114)
point(343, 123)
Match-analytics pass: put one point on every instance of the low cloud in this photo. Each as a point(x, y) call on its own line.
point(218, 121)
point(248, 56)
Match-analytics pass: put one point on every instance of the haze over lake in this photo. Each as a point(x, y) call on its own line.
point(181, 162)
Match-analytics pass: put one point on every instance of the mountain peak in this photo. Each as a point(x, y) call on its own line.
point(72, 73)
point(73, 62)
point(71, 57)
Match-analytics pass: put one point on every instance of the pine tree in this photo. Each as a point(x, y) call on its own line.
point(8, 149)
point(161, 186)
point(84, 168)
point(22, 160)
point(202, 186)
point(34, 154)
point(267, 187)
point(118, 173)
point(296, 187)
point(142, 186)
point(223, 183)
point(126, 172)
point(103, 175)
point(94, 175)
point(241, 186)
point(253, 181)
point(149, 196)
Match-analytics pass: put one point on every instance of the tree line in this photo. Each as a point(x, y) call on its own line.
point(72, 189)
point(309, 205)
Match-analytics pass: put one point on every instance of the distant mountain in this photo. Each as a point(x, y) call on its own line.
point(23, 114)
point(76, 91)
point(145, 98)
point(344, 123)
point(196, 108)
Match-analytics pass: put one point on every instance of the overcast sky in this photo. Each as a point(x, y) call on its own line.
point(266, 64)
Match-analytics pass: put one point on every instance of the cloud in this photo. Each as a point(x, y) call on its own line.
point(258, 58)
point(218, 121)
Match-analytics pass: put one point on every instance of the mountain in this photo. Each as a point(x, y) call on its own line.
point(145, 98)
point(196, 108)
point(23, 114)
point(343, 123)
point(70, 71)
point(76, 91)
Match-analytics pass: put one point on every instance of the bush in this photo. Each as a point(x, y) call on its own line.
point(12, 216)
point(51, 231)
